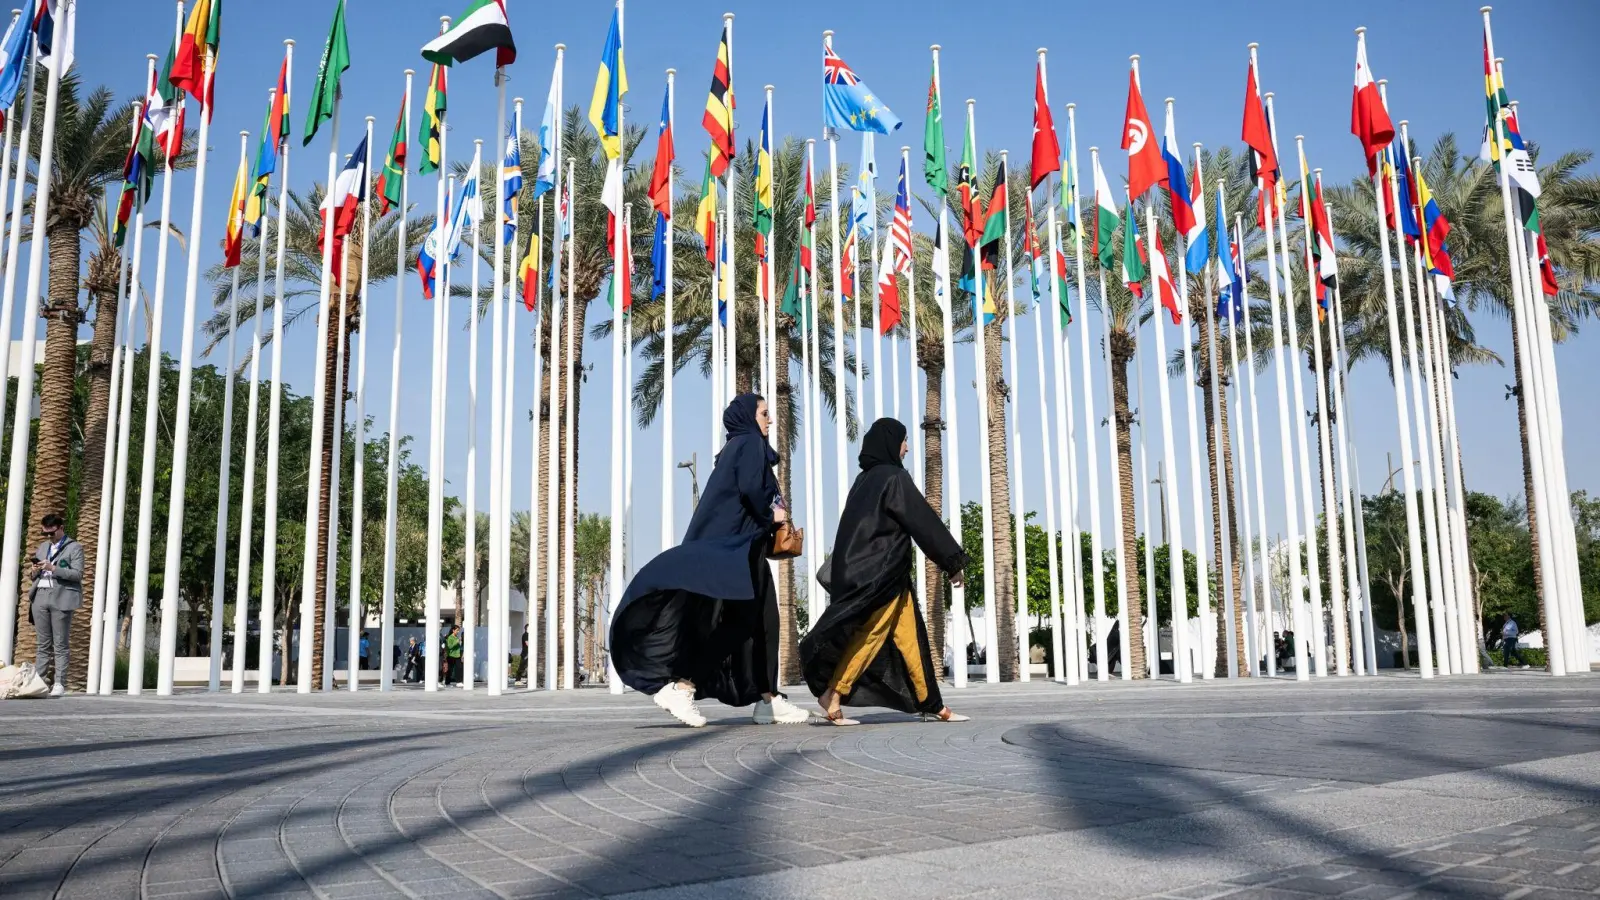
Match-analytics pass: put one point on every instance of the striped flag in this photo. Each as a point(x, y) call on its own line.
point(718, 118)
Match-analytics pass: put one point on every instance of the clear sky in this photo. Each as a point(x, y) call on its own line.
point(1429, 50)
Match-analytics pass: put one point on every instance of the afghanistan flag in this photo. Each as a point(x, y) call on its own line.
point(335, 60)
point(431, 132)
point(391, 179)
point(482, 26)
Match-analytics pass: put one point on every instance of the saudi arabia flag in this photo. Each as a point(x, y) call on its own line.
point(483, 26)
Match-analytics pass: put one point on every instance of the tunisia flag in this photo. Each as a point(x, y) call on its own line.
point(1046, 148)
point(1146, 169)
point(1369, 120)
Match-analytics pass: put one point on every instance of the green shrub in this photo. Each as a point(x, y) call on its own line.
point(148, 676)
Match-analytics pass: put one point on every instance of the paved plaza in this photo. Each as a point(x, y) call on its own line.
point(1482, 786)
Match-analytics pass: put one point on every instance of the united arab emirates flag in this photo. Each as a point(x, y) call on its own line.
point(482, 26)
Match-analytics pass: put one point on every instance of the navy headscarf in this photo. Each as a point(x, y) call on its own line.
point(739, 420)
point(881, 444)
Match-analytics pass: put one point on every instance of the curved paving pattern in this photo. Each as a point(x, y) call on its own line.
point(1373, 788)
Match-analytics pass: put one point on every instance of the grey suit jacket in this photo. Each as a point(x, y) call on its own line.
point(66, 593)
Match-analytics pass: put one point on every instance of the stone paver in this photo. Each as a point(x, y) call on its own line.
point(1384, 788)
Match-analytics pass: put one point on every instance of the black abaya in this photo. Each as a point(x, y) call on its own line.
point(871, 568)
point(706, 611)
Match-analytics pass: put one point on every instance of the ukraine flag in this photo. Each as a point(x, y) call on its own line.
point(610, 86)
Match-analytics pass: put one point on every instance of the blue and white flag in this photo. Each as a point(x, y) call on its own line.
point(864, 195)
point(469, 209)
point(545, 179)
point(18, 43)
point(849, 104)
point(510, 184)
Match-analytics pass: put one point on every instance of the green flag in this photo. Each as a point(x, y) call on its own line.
point(1132, 259)
point(335, 59)
point(934, 169)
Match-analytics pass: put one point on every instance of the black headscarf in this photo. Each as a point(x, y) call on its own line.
point(739, 420)
point(881, 445)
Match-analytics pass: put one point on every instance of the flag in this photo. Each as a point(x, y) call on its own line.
point(811, 201)
point(1032, 260)
point(610, 85)
point(433, 249)
point(1547, 271)
point(468, 212)
point(847, 102)
point(349, 192)
point(1060, 266)
point(997, 219)
point(1046, 148)
point(724, 282)
point(847, 268)
point(1326, 257)
point(17, 48)
point(1435, 252)
point(718, 118)
point(530, 273)
point(233, 240)
point(967, 188)
point(549, 126)
point(797, 289)
point(941, 264)
point(394, 165)
point(1230, 295)
point(705, 215)
point(661, 174)
point(888, 290)
point(1369, 121)
point(274, 131)
point(1145, 169)
point(1162, 276)
point(625, 279)
point(163, 120)
point(935, 170)
point(1508, 151)
point(1133, 271)
point(658, 256)
point(482, 26)
point(864, 195)
point(763, 183)
point(431, 132)
point(1408, 212)
point(565, 217)
point(1186, 219)
point(135, 188)
point(510, 184)
point(202, 33)
point(1106, 216)
point(47, 24)
point(1069, 194)
point(900, 226)
point(1257, 135)
point(335, 60)
point(1195, 259)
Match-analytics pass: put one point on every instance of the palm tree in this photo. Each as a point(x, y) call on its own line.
point(591, 552)
point(302, 263)
point(1468, 192)
point(91, 143)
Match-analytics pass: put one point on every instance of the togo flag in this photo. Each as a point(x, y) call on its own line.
point(482, 26)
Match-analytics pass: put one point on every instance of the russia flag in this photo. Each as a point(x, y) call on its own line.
point(1185, 219)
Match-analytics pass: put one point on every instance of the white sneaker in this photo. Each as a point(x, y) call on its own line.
point(58, 690)
point(780, 712)
point(679, 701)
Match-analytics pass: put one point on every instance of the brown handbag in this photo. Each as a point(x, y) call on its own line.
point(788, 542)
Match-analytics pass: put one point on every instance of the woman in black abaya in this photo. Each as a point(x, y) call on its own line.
point(870, 648)
point(701, 619)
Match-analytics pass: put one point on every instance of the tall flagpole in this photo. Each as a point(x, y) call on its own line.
point(730, 335)
point(817, 514)
point(1091, 454)
point(1258, 467)
point(497, 409)
point(269, 532)
point(329, 599)
point(1243, 525)
point(841, 417)
point(956, 637)
point(569, 602)
point(219, 571)
point(1067, 642)
point(1013, 427)
point(391, 473)
point(121, 334)
point(501, 642)
point(991, 668)
point(1060, 580)
point(358, 480)
point(668, 460)
point(1424, 633)
point(180, 439)
point(1203, 610)
point(467, 598)
point(147, 471)
point(1151, 636)
point(13, 243)
point(918, 463)
point(619, 415)
point(627, 404)
point(767, 308)
point(536, 518)
point(6, 185)
point(435, 576)
point(556, 441)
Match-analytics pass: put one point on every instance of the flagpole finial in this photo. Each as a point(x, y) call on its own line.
point(827, 34)
point(1383, 82)
point(1267, 95)
point(1361, 30)
point(371, 119)
point(1499, 61)
point(1252, 45)
point(1071, 106)
point(1043, 50)
point(1404, 122)
point(935, 47)
point(288, 42)
point(1317, 172)
point(561, 48)
point(905, 148)
point(767, 88)
point(971, 103)
point(243, 133)
point(671, 72)
point(727, 17)
point(151, 56)
point(1170, 101)
point(1299, 138)
point(1485, 9)
point(1197, 145)
point(1133, 58)
point(410, 72)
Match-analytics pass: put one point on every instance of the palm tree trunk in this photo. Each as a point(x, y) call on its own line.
point(544, 409)
point(101, 352)
point(338, 359)
point(1527, 463)
point(1005, 559)
point(931, 357)
point(788, 621)
point(1210, 366)
point(53, 450)
point(1122, 349)
point(572, 364)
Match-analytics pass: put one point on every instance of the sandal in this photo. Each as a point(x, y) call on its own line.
point(945, 715)
point(837, 717)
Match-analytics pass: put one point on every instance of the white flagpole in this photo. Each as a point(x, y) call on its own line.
point(21, 421)
point(1325, 452)
point(957, 636)
point(1014, 429)
point(356, 615)
point(329, 599)
point(219, 571)
point(1463, 630)
point(497, 407)
point(668, 460)
point(391, 473)
point(618, 414)
point(556, 440)
point(1203, 610)
point(1219, 401)
point(1258, 467)
point(5, 186)
point(467, 599)
point(147, 471)
point(878, 370)
point(1050, 459)
point(1066, 642)
point(569, 469)
point(730, 334)
point(269, 532)
point(841, 417)
point(536, 517)
point(814, 593)
point(719, 372)
point(1424, 633)
point(1360, 649)
point(431, 637)
point(1243, 526)
point(991, 668)
point(121, 334)
point(769, 314)
point(1091, 454)
point(627, 405)
point(1152, 644)
point(13, 237)
point(180, 438)
point(918, 464)
point(501, 641)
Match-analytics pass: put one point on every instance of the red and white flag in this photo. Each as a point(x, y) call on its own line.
point(1369, 120)
point(1146, 168)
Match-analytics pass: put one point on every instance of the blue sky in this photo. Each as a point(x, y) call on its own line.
point(1430, 51)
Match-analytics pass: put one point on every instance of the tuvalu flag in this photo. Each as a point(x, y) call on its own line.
point(394, 165)
point(718, 118)
point(202, 33)
point(847, 102)
point(1145, 168)
point(233, 240)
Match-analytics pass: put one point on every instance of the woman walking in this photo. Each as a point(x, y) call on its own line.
point(701, 619)
point(870, 648)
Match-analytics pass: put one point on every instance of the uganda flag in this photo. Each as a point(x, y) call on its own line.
point(718, 118)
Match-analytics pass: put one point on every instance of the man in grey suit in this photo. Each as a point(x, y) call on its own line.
point(57, 591)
